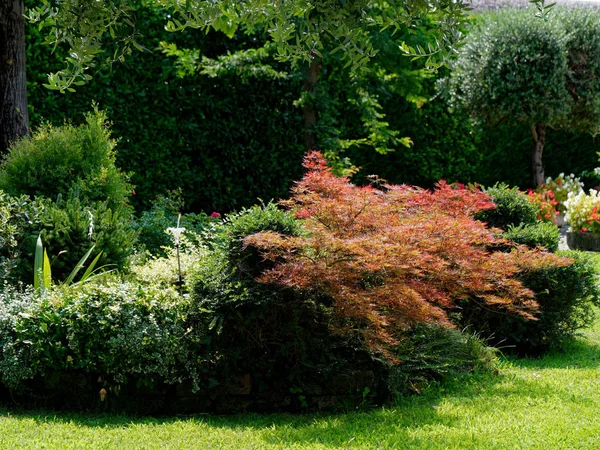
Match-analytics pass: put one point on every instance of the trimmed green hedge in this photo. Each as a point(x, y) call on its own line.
point(223, 141)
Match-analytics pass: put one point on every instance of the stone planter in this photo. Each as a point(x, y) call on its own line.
point(577, 240)
point(560, 220)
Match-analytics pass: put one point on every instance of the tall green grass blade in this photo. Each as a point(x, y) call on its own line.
point(90, 268)
point(79, 265)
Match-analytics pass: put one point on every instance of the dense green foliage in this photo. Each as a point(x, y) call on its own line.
point(224, 140)
point(541, 73)
point(566, 296)
point(513, 68)
point(300, 31)
point(230, 131)
point(68, 229)
point(152, 224)
point(18, 216)
point(114, 329)
point(542, 234)
point(512, 208)
point(72, 226)
point(57, 161)
point(72, 172)
point(517, 69)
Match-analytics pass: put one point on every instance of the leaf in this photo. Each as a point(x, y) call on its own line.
point(78, 267)
point(38, 263)
point(47, 272)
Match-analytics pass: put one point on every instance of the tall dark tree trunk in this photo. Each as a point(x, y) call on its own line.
point(14, 119)
point(538, 132)
point(310, 111)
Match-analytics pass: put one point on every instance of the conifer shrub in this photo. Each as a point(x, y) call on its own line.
point(542, 234)
point(513, 208)
point(566, 296)
point(57, 160)
point(69, 228)
point(71, 171)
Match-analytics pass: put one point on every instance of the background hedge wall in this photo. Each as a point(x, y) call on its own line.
point(226, 141)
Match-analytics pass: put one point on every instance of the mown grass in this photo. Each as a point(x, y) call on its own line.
point(547, 403)
point(550, 403)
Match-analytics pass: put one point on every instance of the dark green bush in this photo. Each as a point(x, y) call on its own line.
point(279, 336)
point(566, 296)
point(432, 353)
point(68, 229)
point(152, 224)
point(57, 161)
point(18, 216)
point(512, 208)
point(255, 220)
point(543, 234)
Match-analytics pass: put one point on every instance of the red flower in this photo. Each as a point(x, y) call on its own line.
point(215, 215)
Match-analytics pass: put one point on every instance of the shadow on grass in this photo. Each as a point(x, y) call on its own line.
point(392, 424)
point(574, 353)
point(478, 394)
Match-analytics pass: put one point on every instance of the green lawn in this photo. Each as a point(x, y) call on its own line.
point(549, 403)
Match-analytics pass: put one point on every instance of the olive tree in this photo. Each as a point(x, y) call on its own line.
point(542, 73)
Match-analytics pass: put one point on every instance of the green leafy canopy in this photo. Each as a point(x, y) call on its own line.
point(301, 30)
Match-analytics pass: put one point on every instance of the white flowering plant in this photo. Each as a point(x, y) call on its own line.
point(583, 211)
point(561, 187)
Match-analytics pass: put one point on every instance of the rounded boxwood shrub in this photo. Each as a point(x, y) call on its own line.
point(566, 295)
point(512, 208)
point(540, 234)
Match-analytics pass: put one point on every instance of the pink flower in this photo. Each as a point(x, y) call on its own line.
point(215, 215)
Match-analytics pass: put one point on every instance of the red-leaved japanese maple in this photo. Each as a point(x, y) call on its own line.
point(394, 257)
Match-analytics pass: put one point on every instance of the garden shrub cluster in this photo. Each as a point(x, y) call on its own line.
point(80, 198)
point(348, 291)
point(519, 218)
point(113, 329)
point(392, 247)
